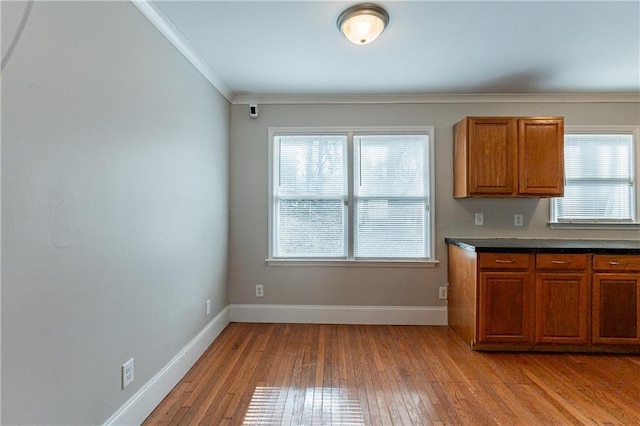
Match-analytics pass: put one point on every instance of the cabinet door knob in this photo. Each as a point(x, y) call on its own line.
point(617, 263)
point(505, 261)
point(561, 262)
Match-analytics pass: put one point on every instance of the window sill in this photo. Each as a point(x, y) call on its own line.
point(594, 225)
point(354, 263)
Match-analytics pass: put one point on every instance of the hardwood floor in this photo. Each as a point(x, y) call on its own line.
point(303, 374)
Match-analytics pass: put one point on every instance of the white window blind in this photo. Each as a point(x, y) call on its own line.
point(310, 195)
point(599, 186)
point(390, 180)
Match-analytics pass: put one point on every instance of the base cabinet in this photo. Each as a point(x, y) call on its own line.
point(562, 308)
point(562, 299)
point(505, 299)
point(616, 300)
point(615, 309)
point(505, 303)
point(547, 302)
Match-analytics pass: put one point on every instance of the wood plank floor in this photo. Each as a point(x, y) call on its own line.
point(303, 374)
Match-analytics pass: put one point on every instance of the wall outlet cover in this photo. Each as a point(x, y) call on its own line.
point(127, 373)
point(518, 220)
point(442, 294)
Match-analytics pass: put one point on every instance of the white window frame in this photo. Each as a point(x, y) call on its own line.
point(554, 223)
point(350, 260)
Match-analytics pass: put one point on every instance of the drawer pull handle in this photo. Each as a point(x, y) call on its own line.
point(561, 262)
point(505, 261)
point(617, 263)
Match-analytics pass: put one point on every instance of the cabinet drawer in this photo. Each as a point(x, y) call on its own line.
point(564, 262)
point(610, 262)
point(504, 261)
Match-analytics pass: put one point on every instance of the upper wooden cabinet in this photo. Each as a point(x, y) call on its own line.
point(508, 157)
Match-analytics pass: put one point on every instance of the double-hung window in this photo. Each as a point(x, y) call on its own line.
point(351, 194)
point(600, 184)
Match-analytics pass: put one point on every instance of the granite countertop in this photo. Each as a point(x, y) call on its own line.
point(535, 245)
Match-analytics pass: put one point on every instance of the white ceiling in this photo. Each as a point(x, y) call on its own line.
point(448, 47)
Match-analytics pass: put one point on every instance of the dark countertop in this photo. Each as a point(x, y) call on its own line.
point(535, 245)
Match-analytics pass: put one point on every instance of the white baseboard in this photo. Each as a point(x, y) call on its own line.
point(140, 405)
point(326, 314)
point(143, 402)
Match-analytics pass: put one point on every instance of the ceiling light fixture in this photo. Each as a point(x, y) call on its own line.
point(363, 23)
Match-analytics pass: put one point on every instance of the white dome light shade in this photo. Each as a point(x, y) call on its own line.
point(363, 23)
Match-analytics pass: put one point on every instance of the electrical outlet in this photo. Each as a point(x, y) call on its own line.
point(208, 307)
point(518, 220)
point(259, 290)
point(127, 373)
point(479, 219)
point(442, 294)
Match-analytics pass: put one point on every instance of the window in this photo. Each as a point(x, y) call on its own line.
point(361, 194)
point(600, 186)
point(310, 192)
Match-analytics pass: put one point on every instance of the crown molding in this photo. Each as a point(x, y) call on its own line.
point(440, 98)
point(175, 37)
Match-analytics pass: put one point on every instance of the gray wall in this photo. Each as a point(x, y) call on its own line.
point(114, 208)
point(382, 286)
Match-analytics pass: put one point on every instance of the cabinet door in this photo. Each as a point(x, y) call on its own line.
point(541, 157)
point(505, 313)
point(492, 156)
point(562, 308)
point(616, 308)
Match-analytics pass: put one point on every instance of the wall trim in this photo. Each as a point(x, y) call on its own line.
point(166, 27)
point(440, 98)
point(328, 314)
point(143, 402)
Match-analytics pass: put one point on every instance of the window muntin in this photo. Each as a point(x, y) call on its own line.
point(600, 185)
point(361, 195)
